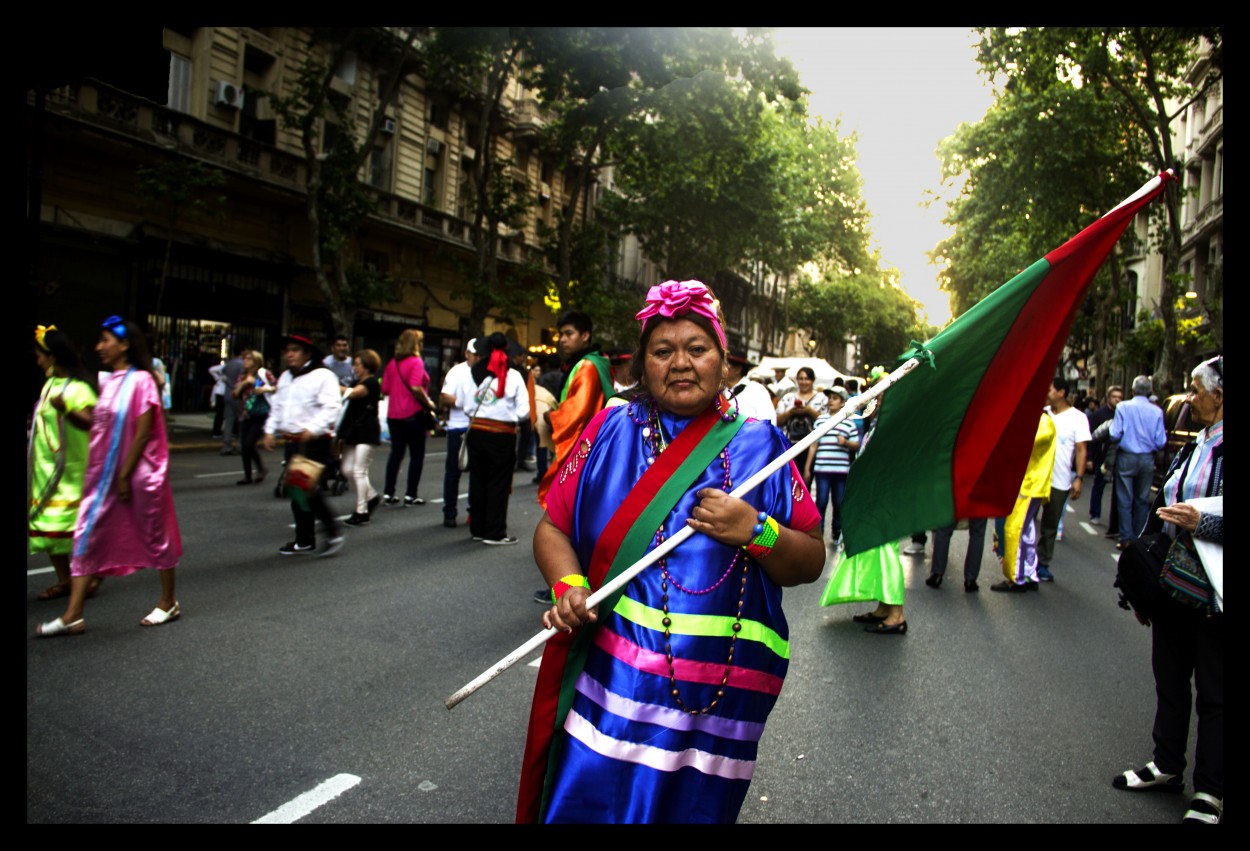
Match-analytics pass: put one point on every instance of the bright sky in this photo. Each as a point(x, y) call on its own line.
point(901, 90)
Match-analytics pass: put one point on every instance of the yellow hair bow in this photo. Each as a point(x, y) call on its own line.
point(40, 331)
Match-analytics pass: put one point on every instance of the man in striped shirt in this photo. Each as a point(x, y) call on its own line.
point(830, 459)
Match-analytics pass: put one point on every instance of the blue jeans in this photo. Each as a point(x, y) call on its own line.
point(828, 484)
point(1134, 474)
point(451, 472)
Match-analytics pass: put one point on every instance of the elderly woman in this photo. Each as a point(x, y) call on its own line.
point(1188, 641)
point(126, 521)
point(650, 707)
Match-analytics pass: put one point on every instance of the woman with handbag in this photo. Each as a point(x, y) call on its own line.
point(797, 411)
point(253, 390)
point(360, 432)
point(409, 415)
point(1188, 623)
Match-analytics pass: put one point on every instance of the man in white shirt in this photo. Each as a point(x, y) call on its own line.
point(456, 393)
point(303, 411)
point(1071, 443)
point(753, 398)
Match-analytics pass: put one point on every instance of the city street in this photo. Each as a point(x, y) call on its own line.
point(287, 673)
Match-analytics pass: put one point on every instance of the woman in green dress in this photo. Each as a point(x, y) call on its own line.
point(57, 453)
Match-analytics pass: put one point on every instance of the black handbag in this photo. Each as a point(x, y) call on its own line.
point(1138, 574)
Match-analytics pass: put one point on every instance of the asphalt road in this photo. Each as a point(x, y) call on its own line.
point(298, 688)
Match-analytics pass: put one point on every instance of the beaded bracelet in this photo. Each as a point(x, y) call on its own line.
point(766, 533)
point(573, 580)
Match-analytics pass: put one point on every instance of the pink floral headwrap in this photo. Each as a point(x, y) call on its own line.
point(675, 299)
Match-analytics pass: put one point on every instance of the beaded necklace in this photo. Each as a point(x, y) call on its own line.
point(654, 443)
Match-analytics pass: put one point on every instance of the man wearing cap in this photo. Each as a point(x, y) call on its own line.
point(303, 411)
point(753, 398)
point(457, 392)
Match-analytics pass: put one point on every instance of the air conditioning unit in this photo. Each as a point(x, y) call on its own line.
point(544, 190)
point(228, 94)
point(388, 126)
point(434, 146)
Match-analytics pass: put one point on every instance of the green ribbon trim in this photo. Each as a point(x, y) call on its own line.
point(702, 625)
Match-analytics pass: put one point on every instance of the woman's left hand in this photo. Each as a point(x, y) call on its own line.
point(1182, 515)
point(723, 517)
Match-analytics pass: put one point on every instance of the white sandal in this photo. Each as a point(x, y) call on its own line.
point(1204, 815)
point(59, 627)
point(1149, 778)
point(159, 616)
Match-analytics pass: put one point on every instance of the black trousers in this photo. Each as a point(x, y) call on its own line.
point(250, 432)
point(1188, 645)
point(492, 461)
point(317, 449)
point(406, 436)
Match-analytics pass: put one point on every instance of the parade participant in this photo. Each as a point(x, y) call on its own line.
point(587, 387)
point(457, 391)
point(303, 411)
point(1188, 638)
point(126, 521)
point(360, 432)
point(797, 410)
point(754, 400)
point(253, 392)
point(874, 575)
point(1017, 543)
point(501, 399)
point(650, 707)
point(409, 415)
point(57, 453)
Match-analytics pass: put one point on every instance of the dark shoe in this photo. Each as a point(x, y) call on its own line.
point(294, 549)
point(971, 586)
point(899, 628)
point(374, 503)
point(261, 477)
point(1044, 574)
point(1008, 586)
point(1204, 809)
point(449, 522)
point(1148, 779)
point(390, 500)
point(1122, 545)
point(357, 519)
point(243, 482)
point(413, 500)
point(332, 546)
point(868, 617)
point(934, 580)
point(1030, 585)
point(542, 597)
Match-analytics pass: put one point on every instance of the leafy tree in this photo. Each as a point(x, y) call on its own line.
point(865, 308)
point(180, 190)
point(1141, 70)
point(1037, 169)
point(336, 202)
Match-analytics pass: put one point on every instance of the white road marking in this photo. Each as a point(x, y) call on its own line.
point(39, 570)
point(1067, 506)
point(297, 808)
point(215, 475)
point(1115, 557)
point(1088, 528)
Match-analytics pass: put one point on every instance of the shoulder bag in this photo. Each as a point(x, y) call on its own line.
point(1183, 577)
point(1139, 572)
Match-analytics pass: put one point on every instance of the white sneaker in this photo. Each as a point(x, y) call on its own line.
point(332, 546)
point(913, 549)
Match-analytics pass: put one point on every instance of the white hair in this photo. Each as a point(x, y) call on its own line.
point(1208, 375)
point(1142, 385)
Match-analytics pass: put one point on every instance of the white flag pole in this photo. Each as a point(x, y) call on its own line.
point(686, 531)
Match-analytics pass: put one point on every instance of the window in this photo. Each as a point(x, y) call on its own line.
point(429, 195)
point(438, 116)
point(179, 96)
point(380, 167)
point(347, 69)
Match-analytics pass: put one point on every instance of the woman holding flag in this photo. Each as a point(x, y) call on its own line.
point(650, 707)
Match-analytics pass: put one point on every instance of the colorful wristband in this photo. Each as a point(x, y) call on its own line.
point(573, 580)
point(766, 533)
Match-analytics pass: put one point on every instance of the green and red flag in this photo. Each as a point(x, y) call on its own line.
point(953, 444)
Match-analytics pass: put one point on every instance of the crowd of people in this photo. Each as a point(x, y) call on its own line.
point(627, 449)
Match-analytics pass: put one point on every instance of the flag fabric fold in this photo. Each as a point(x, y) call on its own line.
point(953, 444)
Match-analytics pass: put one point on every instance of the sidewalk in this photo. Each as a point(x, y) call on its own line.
point(193, 432)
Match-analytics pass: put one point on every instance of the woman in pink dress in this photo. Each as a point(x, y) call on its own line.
point(126, 520)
